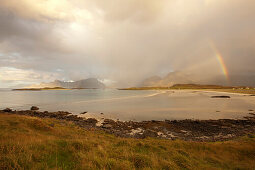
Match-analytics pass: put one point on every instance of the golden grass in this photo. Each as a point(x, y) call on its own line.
point(34, 143)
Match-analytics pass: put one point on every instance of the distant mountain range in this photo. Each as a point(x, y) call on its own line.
point(90, 83)
point(167, 81)
point(181, 77)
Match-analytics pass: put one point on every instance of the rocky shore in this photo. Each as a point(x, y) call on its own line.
point(189, 130)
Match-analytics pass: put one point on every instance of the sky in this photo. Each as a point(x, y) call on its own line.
point(123, 42)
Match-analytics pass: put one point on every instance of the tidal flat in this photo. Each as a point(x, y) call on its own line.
point(135, 105)
point(189, 130)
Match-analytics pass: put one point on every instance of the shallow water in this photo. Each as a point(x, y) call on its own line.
point(132, 104)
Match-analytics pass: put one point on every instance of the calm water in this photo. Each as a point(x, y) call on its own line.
point(132, 105)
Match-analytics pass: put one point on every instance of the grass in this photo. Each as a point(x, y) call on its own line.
point(34, 143)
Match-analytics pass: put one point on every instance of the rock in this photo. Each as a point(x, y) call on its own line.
point(160, 133)
point(7, 110)
point(34, 108)
point(83, 113)
point(108, 121)
point(252, 114)
point(52, 124)
point(183, 131)
point(150, 133)
point(91, 120)
point(171, 135)
point(136, 131)
point(220, 96)
point(107, 126)
point(101, 113)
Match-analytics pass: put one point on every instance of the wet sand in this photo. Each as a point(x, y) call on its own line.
point(135, 105)
point(191, 115)
point(173, 105)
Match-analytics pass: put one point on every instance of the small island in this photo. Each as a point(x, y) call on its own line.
point(39, 89)
point(90, 83)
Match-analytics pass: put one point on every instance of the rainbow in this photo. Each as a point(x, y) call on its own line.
point(220, 60)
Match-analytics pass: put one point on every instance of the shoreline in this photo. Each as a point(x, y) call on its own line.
point(223, 90)
point(230, 91)
point(42, 89)
point(214, 88)
point(188, 130)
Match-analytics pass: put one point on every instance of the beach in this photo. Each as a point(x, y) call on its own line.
point(135, 105)
point(189, 130)
point(192, 115)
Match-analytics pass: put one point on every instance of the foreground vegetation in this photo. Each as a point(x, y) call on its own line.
point(34, 143)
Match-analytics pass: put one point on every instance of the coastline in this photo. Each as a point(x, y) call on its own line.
point(146, 105)
point(188, 130)
point(48, 88)
point(214, 88)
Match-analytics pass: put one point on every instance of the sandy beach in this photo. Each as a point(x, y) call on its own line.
point(135, 105)
point(174, 105)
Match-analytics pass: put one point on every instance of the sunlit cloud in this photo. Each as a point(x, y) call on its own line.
point(13, 76)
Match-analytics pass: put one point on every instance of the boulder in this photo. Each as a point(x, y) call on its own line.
point(150, 133)
point(91, 120)
point(7, 110)
point(34, 108)
point(107, 126)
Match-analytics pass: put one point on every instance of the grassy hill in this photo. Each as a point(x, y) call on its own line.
point(34, 143)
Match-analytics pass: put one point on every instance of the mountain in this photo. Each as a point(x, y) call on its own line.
point(151, 81)
point(181, 77)
point(169, 80)
point(90, 83)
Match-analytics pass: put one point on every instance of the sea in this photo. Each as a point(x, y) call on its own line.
point(135, 105)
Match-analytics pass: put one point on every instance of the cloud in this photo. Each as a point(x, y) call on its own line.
point(127, 41)
point(14, 77)
point(39, 9)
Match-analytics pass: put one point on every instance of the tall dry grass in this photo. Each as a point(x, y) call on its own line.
point(33, 143)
